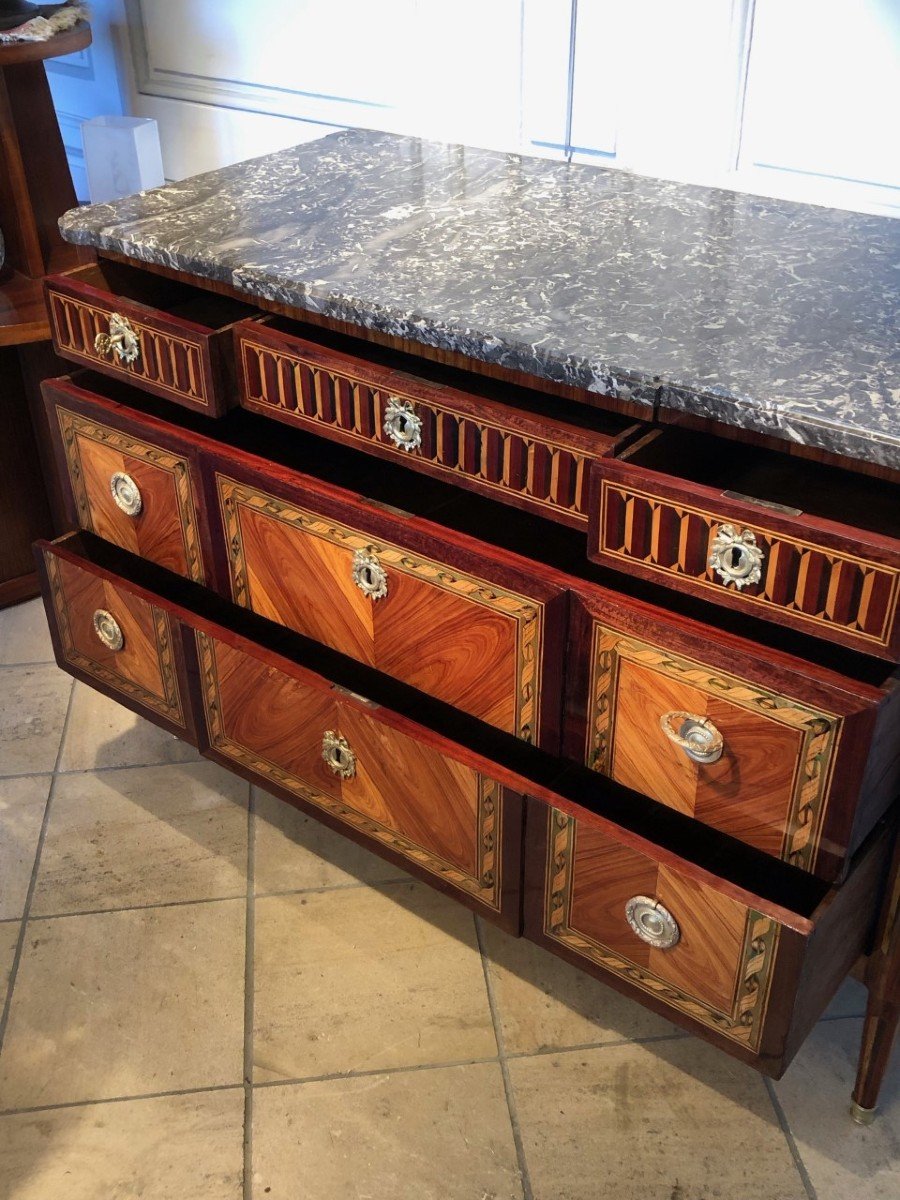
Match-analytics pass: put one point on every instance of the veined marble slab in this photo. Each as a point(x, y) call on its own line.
point(759, 313)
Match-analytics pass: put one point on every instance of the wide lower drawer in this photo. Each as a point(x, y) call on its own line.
point(130, 479)
point(783, 753)
point(375, 774)
point(694, 948)
point(471, 625)
point(162, 335)
point(523, 458)
point(729, 943)
point(116, 637)
point(806, 545)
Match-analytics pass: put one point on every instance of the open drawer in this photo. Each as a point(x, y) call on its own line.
point(162, 335)
point(503, 441)
point(797, 756)
point(754, 949)
point(807, 545)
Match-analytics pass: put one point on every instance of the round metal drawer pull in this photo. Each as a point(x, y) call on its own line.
point(126, 493)
point(652, 923)
point(337, 754)
point(122, 340)
point(369, 575)
point(696, 736)
point(108, 630)
point(402, 424)
point(735, 557)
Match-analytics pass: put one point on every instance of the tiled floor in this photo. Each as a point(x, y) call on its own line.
point(204, 983)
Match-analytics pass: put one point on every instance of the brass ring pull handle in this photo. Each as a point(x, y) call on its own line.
point(108, 630)
point(696, 736)
point(337, 754)
point(121, 341)
point(369, 575)
point(126, 493)
point(735, 557)
point(402, 424)
point(652, 923)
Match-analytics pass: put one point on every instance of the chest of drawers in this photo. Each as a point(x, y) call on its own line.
point(625, 688)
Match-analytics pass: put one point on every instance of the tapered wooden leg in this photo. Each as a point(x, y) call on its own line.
point(883, 1011)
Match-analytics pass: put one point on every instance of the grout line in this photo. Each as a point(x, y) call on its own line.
point(102, 912)
point(789, 1138)
point(332, 887)
point(527, 1190)
point(195, 1091)
point(373, 1071)
point(249, 950)
point(32, 883)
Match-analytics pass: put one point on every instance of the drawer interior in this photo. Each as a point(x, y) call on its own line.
point(553, 408)
point(518, 764)
point(174, 297)
point(758, 475)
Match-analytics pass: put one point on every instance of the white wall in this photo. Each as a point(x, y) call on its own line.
point(786, 97)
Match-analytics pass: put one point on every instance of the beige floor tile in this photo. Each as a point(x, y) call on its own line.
point(168, 1148)
point(126, 1003)
point(440, 1134)
point(294, 851)
point(33, 703)
point(141, 836)
point(671, 1121)
point(545, 1004)
point(9, 936)
point(22, 804)
point(102, 733)
point(365, 978)
point(845, 1161)
point(24, 635)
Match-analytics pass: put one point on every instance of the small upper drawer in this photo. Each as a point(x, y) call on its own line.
point(469, 624)
point(792, 541)
point(513, 449)
point(162, 335)
point(131, 479)
point(116, 637)
point(787, 755)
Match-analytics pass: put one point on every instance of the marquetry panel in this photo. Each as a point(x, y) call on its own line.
point(144, 668)
point(173, 366)
point(720, 970)
point(166, 529)
point(464, 639)
point(818, 586)
point(506, 460)
point(770, 787)
point(441, 815)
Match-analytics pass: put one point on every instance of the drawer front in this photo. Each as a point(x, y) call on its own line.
point(173, 358)
point(475, 640)
point(340, 757)
point(597, 894)
point(131, 490)
point(794, 760)
point(117, 640)
point(734, 558)
point(501, 452)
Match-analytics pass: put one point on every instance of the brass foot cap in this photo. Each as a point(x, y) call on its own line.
point(862, 1116)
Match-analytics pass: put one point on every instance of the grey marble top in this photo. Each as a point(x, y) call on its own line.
point(760, 313)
